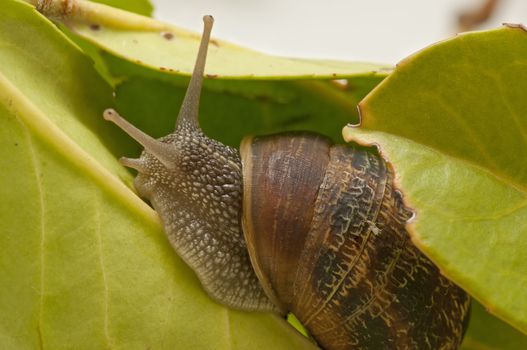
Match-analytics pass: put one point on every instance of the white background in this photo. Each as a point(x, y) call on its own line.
point(383, 31)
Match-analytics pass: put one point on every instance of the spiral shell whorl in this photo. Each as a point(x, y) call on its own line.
point(359, 282)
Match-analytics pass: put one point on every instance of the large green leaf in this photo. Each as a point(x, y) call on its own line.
point(231, 110)
point(151, 99)
point(167, 48)
point(125, 46)
point(84, 262)
point(452, 119)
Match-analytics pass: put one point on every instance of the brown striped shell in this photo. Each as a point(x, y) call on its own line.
point(325, 229)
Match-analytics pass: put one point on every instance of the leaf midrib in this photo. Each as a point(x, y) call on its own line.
point(38, 181)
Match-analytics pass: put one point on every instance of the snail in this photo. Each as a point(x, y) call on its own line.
point(293, 223)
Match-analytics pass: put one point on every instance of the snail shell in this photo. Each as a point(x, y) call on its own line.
point(323, 232)
point(326, 236)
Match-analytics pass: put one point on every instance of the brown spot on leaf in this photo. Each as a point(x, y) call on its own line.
point(167, 35)
point(211, 76)
point(162, 68)
point(95, 26)
point(214, 42)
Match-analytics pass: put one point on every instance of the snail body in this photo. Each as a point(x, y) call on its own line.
point(296, 224)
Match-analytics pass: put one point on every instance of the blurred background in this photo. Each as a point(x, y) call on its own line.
point(382, 31)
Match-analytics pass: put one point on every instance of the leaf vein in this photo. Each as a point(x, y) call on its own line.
point(228, 332)
point(468, 131)
point(38, 181)
point(97, 220)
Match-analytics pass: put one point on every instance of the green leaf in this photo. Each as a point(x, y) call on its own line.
point(151, 99)
point(84, 262)
point(488, 333)
point(231, 110)
point(265, 105)
point(141, 7)
point(167, 48)
point(452, 119)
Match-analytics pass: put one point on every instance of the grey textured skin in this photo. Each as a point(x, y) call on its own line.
point(199, 202)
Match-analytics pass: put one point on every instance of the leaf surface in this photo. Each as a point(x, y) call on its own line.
point(168, 48)
point(486, 332)
point(142, 7)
